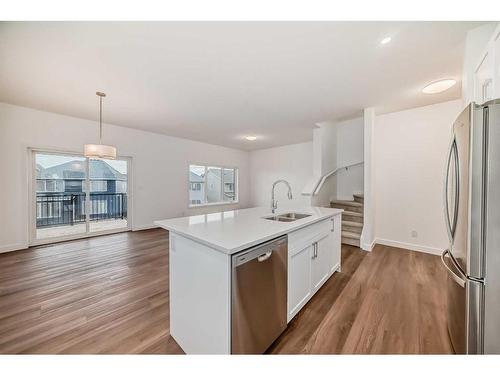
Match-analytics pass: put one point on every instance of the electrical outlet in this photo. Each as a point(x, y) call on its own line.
point(414, 233)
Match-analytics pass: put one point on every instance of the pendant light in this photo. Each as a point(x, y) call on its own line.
point(100, 151)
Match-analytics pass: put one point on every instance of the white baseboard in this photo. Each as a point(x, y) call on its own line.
point(13, 247)
point(409, 246)
point(144, 227)
point(368, 246)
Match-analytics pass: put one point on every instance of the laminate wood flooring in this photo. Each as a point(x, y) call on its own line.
point(109, 294)
point(388, 301)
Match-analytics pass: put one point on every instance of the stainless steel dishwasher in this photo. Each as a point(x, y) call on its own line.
point(258, 296)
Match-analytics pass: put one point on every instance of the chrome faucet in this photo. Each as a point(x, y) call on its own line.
point(274, 203)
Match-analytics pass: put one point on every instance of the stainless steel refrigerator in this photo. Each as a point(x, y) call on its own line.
point(472, 215)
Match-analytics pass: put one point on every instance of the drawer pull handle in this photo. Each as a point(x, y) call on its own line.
point(315, 250)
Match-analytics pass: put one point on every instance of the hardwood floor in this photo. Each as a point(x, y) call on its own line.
point(388, 301)
point(109, 294)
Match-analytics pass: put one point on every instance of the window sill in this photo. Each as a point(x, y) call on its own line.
point(212, 204)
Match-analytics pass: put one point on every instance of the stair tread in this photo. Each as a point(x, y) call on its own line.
point(351, 242)
point(347, 203)
point(352, 235)
point(352, 223)
point(352, 213)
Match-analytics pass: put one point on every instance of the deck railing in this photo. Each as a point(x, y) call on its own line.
point(54, 209)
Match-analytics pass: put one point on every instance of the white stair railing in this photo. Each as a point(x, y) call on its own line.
point(314, 186)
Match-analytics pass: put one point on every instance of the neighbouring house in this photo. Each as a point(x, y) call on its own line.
point(196, 188)
point(60, 192)
point(214, 183)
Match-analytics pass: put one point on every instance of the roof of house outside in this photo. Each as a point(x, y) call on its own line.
point(193, 177)
point(75, 170)
point(228, 173)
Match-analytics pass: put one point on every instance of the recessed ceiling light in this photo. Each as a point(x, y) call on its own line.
point(438, 86)
point(251, 138)
point(386, 40)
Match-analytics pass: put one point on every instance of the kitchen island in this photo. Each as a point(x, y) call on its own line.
point(200, 262)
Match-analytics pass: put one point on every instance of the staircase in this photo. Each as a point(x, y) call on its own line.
point(352, 219)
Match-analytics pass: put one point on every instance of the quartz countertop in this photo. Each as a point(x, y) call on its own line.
point(233, 231)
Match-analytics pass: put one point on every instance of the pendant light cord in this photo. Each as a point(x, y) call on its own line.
point(100, 151)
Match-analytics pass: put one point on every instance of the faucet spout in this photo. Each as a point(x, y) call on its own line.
point(274, 203)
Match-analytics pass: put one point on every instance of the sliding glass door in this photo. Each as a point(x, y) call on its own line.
point(108, 194)
point(74, 196)
point(60, 194)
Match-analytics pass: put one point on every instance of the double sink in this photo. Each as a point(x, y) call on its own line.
point(288, 217)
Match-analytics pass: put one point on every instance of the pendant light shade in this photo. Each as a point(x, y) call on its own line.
point(100, 151)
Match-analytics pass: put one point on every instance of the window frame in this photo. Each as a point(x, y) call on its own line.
point(221, 202)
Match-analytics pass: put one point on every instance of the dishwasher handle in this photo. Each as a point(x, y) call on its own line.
point(260, 252)
point(265, 256)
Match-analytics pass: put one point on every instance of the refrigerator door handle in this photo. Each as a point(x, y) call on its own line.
point(457, 189)
point(445, 193)
point(458, 279)
point(451, 224)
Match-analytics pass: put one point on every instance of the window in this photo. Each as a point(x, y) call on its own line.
point(212, 185)
point(121, 186)
point(98, 185)
point(229, 193)
point(49, 185)
point(195, 186)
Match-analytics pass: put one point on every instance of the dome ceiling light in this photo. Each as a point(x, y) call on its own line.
point(439, 86)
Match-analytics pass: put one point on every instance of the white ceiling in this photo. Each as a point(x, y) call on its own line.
point(219, 81)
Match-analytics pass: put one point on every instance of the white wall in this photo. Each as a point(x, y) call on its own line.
point(367, 239)
point(325, 136)
point(159, 166)
point(337, 144)
point(325, 161)
point(350, 151)
point(409, 155)
point(292, 163)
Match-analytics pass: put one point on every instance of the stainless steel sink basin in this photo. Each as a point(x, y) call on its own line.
point(295, 216)
point(278, 218)
point(288, 217)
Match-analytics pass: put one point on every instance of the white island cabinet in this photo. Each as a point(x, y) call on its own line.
point(313, 256)
point(200, 267)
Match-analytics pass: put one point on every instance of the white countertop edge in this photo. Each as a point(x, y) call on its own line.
point(230, 251)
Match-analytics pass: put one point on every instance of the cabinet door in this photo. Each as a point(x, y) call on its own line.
point(483, 79)
point(321, 262)
point(299, 279)
point(496, 67)
point(335, 241)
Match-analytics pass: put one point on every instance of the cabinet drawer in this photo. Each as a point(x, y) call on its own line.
point(298, 239)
